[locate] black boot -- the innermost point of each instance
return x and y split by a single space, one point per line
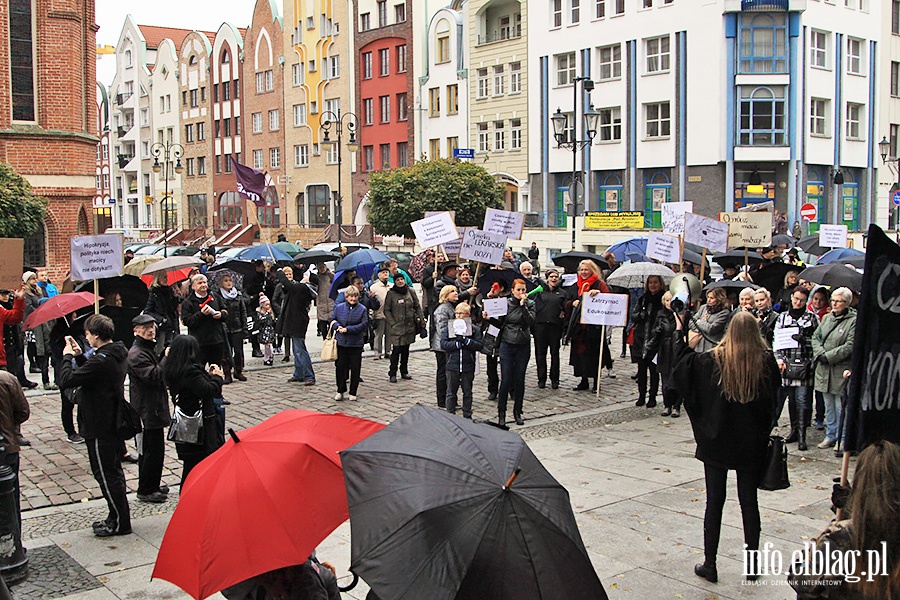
518 416
800 429
707 571
640 401
227 369
792 413
651 403
501 418
585 384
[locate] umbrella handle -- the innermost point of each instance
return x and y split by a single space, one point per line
351 585
512 478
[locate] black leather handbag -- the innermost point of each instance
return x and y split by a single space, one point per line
775 470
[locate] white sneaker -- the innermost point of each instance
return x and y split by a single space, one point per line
339 396
353 398
826 443
610 374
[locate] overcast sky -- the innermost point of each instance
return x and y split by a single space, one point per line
205 15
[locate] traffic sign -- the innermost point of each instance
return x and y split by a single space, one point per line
897 198
809 212
464 153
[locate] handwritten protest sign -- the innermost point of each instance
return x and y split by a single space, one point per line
784 338
96 257
614 220
605 309
452 248
673 216
665 248
482 246
496 307
11 253
504 222
435 230
833 236
708 233
750 229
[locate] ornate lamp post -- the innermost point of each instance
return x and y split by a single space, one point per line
337 123
171 154
884 147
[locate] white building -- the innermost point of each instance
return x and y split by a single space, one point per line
696 100
886 212
162 126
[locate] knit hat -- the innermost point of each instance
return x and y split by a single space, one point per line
263 298
28 275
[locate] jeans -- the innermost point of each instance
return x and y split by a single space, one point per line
399 354
106 465
513 368
716 478
382 338
150 460
547 337
832 415
348 366
440 378
455 380
797 397
303 369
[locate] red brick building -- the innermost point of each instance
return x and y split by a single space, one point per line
48 116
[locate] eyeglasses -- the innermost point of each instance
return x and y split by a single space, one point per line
462 314
837 301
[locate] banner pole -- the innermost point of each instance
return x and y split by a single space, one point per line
600 361
746 259
681 253
96 296
703 267
477 272
845 470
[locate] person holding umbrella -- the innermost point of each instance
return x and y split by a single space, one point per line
232 300
294 322
163 306
350 320
40 334
323 278
403 313
585 339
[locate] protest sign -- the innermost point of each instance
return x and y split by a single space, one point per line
673 216
96 257
11 253
482 246
665 248
452 248
496 307
504 222
604 309
614 220
833 236
784 338
435 230
707 233
747 229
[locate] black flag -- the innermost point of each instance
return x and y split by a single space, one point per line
873 400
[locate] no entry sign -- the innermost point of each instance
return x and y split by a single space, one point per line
809 212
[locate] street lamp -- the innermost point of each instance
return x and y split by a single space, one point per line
561 124
338 122
169 152
884 147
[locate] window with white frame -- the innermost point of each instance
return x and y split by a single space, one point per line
256 120
515 78
401 58
385 151
895 79
385 102
657 54
818 49
499 136
895 17
189 133
367 65
657 120
368 158
382 13
402 107
399 13
818 116
274 120
442 48
368 111
854 121
331 154
610 124
599 9
482 83
855 56
575 7
620 7
515 134
484 139
365 22
299 115
565 68
299 73
201 165
453 99
258 159
301 155
384 62
763 43
270 81
556 8
260 82
610 62
761 116
274 157
334 67
402 154
434 102
333 105
498 80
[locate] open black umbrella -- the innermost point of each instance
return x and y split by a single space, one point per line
505 277
736 257
569 260
810 244
834 275
132 292
730 284
771 276
782 239
444 508
312 257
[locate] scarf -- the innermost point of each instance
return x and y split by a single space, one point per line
796 313
400 289
586 284
229 295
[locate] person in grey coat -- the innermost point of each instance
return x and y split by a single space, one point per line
403 312
708 326
832 346
443 313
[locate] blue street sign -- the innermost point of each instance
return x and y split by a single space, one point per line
897 197
464 153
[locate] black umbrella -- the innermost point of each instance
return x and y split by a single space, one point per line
834 275
316 256
444 508
246 268
735 257
505 277
782 239
731 284
130 289
810 245
569 260
771 276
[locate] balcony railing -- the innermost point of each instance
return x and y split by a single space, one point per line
499 36
123 98
764 5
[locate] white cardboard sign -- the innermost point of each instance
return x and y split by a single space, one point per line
496 307
504 222
435 230
664 248
453 247
784 339
708 233
833 236
673 216
604 309
482 246
748 229
97 256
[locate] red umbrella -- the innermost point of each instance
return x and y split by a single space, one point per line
260 503
59 306
173 277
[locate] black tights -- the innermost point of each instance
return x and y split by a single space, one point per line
716 478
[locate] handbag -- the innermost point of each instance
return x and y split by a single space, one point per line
128 421
775 470
329 346
797 369
186 429
629 338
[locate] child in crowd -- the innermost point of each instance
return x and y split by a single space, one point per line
266 321
462 356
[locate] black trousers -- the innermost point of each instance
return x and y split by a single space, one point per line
513 368
150 460
716 478
647 368
493 374
212 354
456 380
106 465
399 357
11 460
67 413
237 350
348 366
547 337
440 378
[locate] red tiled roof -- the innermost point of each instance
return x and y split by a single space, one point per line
154 35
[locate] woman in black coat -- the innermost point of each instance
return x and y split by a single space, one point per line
193 389
644 318
587 347
162 305
660 345
232 300
730 394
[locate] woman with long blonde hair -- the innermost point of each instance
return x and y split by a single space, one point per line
729 393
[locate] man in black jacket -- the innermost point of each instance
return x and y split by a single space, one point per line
148 395
203 316
101 379
295 316
550 307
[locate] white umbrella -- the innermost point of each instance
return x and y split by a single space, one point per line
172 263
634 275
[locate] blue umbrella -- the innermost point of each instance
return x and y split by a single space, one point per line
362 257
838 255
629 249
268 252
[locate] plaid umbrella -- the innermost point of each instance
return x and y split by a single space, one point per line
418 263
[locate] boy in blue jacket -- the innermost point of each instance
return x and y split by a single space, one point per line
461 360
